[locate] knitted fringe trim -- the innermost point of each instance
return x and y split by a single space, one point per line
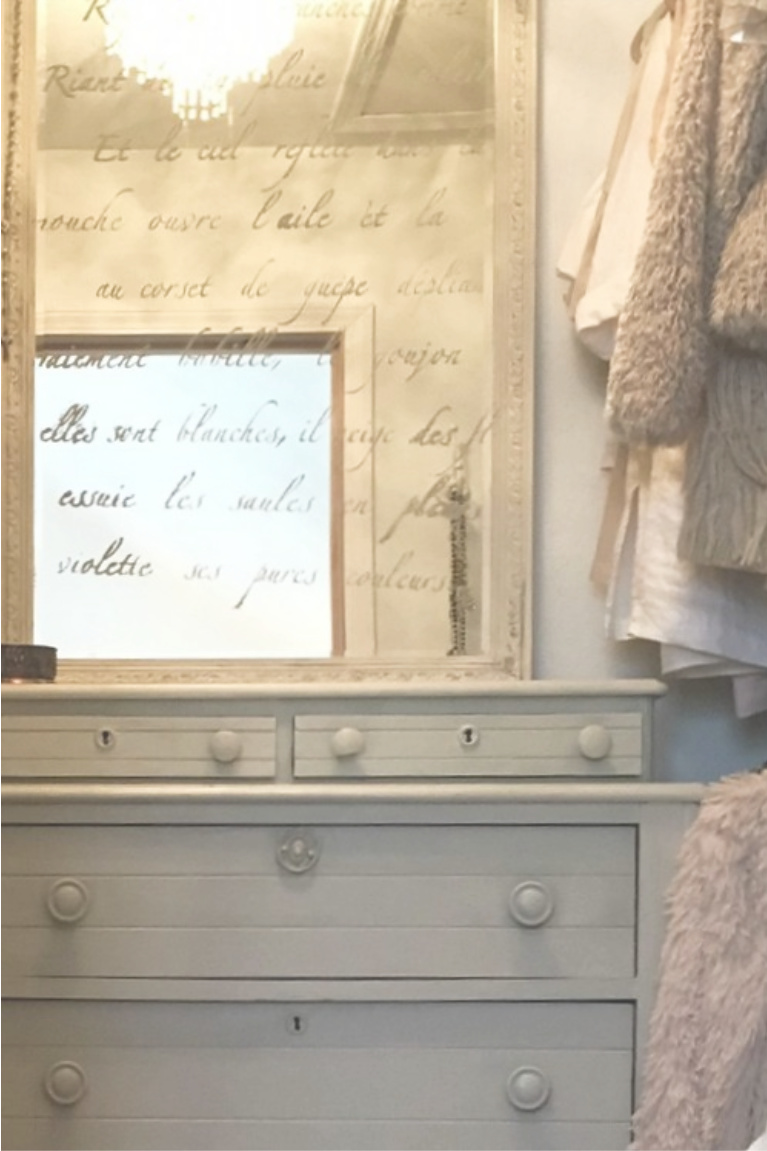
725 520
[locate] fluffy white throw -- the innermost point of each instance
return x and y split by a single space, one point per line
705 1078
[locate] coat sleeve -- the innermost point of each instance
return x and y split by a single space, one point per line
659 370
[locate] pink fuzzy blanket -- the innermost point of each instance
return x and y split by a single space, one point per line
705 1076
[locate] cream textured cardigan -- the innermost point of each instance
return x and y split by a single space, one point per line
672 378
705 1075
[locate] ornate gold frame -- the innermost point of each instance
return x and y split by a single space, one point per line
509 657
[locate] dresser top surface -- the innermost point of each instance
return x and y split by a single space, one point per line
62 692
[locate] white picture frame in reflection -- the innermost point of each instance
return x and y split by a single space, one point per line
402 234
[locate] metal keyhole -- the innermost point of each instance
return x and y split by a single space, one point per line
468 736
296 1024
105 738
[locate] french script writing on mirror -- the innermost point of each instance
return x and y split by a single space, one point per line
374 183
208 492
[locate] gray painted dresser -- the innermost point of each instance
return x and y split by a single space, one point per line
413 917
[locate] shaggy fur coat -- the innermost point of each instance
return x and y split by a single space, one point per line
705 1074
686 367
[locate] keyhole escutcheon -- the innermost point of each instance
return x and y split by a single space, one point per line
296 1024
468 735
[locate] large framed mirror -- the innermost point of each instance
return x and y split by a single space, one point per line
268 338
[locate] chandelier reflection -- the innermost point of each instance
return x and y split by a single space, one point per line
200 48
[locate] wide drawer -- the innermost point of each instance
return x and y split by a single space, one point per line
344 1075
601 744
320 902
132 746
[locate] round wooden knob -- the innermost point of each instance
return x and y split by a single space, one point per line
347 741
225 746
528 1089
65 1083
68 900
594 741
531 904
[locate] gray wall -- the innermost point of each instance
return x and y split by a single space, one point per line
584 66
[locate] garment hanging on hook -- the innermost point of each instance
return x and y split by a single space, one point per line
672 381
708 622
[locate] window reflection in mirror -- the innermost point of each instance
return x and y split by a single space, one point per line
349 189
192 485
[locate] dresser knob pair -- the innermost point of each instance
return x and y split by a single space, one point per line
594 740
527 1088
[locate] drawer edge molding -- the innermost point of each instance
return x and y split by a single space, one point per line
17 792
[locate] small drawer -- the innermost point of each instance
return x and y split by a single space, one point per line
314 1075
602 745
138 747
323 902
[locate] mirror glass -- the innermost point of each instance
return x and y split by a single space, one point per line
281 342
